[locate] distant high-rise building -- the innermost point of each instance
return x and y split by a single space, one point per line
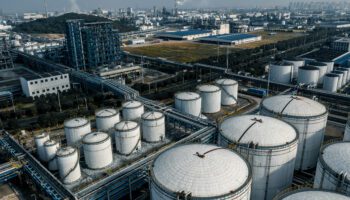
129 11
91 45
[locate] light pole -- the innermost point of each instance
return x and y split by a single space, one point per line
59 101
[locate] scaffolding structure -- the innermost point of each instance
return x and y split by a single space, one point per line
6 60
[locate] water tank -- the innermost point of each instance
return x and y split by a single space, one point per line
347 132
281 72
127 137
189 103
347 68
153 126
132 110
51 147
341 76
75 129
200 171
312 194
106 119
297 63
333 168
308 75
211 98
345 75
269 145
97 150
308 117
39 144
330 83
229 91
322 70
68 164
330 64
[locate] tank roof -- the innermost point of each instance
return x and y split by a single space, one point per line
309 67
314 195
106 112
42 135
65 151
337 72
76 122
187 95
132 104
201 169
296 106
152 115
50 143
342 69
318 64
282 64
293 59
226 82
95 137
332 75
126 125
261 130
208 88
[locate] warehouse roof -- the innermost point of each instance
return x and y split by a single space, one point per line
230 37
185 33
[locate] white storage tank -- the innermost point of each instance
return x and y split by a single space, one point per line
189 103
211 98
229 91
132 110
330 64
312 194
127 137
68 164
308 75
347 132
39 144
322 70
106 119
281 72
330 83
153 126
308 117
297 63
333 168
51 147
345 75
347 68
269 145
200 171
97 150
341 76
75 129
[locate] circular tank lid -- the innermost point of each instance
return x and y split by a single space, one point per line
342 69
296 106
208 88
126 126
50 143
314 195
261 130
309 67
201 169
226 82
337 72
336 157
66 151
293 59
187 96
41 136
106 112
332 75
317 64
132 104
152 115
281 64
76 122
95 137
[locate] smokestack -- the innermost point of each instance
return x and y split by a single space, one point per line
73 6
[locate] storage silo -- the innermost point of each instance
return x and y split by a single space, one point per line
297 63
200 171
281 72
322 70
39 141
340 78
330 64
189 103
153 126
347 132
132 110
211 98
127 137
229 91
333 168
330 83
75 129
51 147
106 119
311 194
97 150
269 145
68 164
345 75
308 75
307 116
347 68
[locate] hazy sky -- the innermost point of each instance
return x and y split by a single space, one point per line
11 6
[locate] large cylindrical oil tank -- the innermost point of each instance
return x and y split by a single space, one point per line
311 194
270 146
347 68
153 126
229 91
211 98
127 137
97 150
189 103
132 110
347 132
345 75
39 144
308 117
340 78
308 75
330 83
297 63
68 164
51 147
281 72
106 119
322 70
75 129
200 171
333 168
330 64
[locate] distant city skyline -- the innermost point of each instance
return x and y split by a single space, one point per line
20 6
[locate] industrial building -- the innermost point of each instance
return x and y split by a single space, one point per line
230 39
342 44
184 35
5 56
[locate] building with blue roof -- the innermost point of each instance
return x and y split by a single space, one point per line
184 35
231 39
